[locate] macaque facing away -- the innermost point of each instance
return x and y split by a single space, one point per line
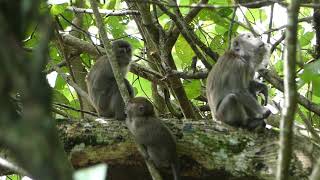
230 85
102 86
158 143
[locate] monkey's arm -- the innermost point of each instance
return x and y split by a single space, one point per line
255 86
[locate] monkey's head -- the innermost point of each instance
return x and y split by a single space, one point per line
250 48
246 43
123 51
139 107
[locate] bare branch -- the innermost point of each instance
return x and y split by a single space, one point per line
105 11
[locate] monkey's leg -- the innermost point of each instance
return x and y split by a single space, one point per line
231 111
253 108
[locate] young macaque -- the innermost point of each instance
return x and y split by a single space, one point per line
158 143
102 86
231 89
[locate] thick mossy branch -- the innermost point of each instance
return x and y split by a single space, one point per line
204 147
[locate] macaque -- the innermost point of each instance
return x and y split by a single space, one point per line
158 143
102 86
231 89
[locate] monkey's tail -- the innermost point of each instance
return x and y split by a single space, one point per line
176 170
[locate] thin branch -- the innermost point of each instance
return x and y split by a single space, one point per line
6 164
188 74
270 22
305 19
231 26
75 109
274 46
290 93
105 11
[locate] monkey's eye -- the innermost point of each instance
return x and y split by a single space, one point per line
236 43
249 36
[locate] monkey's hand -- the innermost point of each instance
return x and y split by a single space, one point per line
255 86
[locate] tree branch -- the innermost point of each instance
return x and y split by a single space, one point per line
290 93
104 11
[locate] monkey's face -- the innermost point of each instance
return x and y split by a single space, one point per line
248 43
123 51
139 107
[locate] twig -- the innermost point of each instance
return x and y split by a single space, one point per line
270 22
305 19
74 109
231 26
189 74
6 164
274 46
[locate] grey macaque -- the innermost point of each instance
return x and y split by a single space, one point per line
158 143
231 89
102 86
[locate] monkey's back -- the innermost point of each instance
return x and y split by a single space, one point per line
228 75
153 134
103 89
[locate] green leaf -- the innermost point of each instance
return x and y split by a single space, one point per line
225 12
279 67
59 97
220 29
306 38
218 44
111 4
193 88
58 8
60 83
116 26
183 50
316 86
97 172
311 72
254 15
141 86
